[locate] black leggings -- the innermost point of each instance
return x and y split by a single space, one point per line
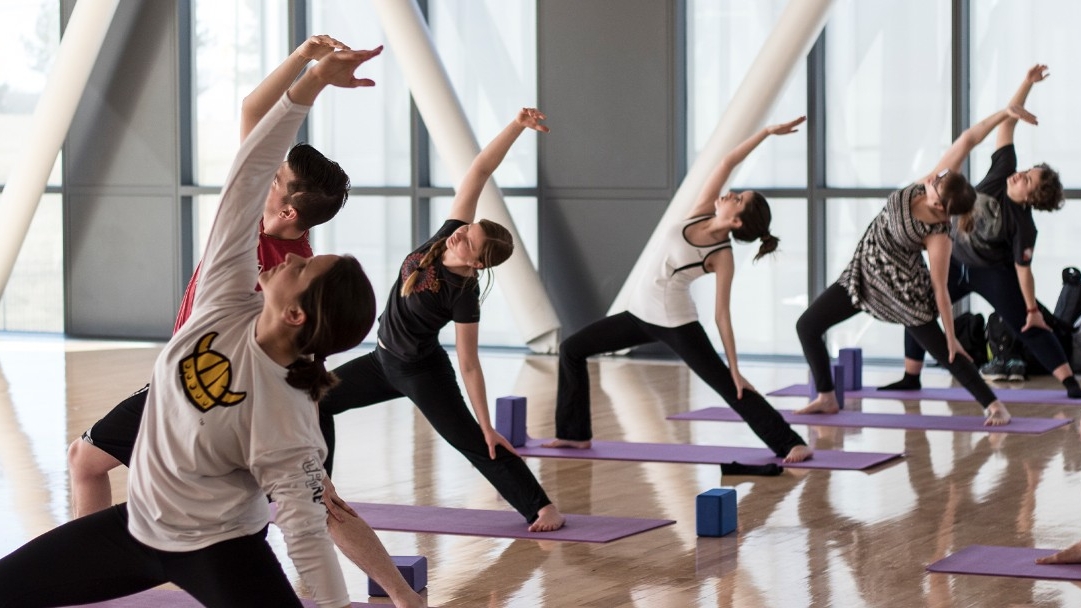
834 306
430 383
95 558
999 286
690 342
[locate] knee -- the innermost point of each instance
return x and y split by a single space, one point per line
805 327
86 461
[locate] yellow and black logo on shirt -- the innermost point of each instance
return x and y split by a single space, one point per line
205 375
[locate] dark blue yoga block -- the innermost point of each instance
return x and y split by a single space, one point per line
838 385
851 359
414 569
715 512
510 419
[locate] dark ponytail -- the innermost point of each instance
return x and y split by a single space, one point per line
754 224
340 311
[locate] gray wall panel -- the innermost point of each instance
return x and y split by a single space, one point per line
121 178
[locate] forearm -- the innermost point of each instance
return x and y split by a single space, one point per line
1027 281
269 91
304 91
728 341
493 154
473 377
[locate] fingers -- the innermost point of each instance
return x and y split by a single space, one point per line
531 117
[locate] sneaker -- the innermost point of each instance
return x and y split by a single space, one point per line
1015 370
994 369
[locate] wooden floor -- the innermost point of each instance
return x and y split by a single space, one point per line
815 538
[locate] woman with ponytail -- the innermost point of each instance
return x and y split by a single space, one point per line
889 279
661 310
439 282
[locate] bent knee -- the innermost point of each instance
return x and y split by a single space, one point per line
86 460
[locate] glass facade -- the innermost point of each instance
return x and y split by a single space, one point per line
885 76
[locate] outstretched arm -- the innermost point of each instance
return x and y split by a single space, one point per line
712 188
271 89
464 207
1005 132
972 136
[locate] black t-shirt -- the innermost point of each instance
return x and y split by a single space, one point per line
1004 232
409 326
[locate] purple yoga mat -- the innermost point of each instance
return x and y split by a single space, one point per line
705 454
1031 426
1005 561
1033 396
170 598
499 524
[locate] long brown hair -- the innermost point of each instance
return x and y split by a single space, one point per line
498 247
339 309
958 198
754 224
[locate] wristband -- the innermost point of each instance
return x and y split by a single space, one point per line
1033 309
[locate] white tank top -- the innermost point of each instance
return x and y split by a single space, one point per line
663 295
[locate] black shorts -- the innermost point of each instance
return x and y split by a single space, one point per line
115 433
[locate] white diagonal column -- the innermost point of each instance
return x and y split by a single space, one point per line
795 33
55 110
407 33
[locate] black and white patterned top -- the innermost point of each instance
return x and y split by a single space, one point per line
887 276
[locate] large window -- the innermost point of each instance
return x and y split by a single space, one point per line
33 299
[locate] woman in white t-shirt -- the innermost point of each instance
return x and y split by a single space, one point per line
230 416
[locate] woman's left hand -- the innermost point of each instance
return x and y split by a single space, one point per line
956 348
785 128
530 118
493 438
741 383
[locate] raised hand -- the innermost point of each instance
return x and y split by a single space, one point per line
530 118
1020 113
319 46
1037 73
785 128
337 68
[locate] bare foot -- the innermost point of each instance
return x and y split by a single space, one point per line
568 443
548 518
799 454
996 415
826 403
1069 555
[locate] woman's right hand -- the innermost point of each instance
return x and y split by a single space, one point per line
955 348
785 128
1020 113
1036 73
530 118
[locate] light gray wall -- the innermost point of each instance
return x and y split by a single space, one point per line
612 84
124 236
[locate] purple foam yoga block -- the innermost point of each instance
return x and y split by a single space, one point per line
852 360
510 419
414 569
838 385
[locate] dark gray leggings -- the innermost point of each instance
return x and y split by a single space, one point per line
95 558
834 306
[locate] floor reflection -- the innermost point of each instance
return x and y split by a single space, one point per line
806 538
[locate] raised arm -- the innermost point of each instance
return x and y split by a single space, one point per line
703 205
464 206
271 89
972 136
1005 131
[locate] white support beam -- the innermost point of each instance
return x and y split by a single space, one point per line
407 33
792 38
79 48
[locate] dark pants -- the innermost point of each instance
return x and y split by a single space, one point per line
95 558
999 286
430 384
834 306
690 342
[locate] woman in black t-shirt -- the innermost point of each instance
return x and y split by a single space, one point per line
437 284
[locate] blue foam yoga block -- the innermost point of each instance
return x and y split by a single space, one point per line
414 569
510 419
715 512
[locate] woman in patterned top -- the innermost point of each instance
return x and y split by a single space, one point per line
889 279
437 284
661 310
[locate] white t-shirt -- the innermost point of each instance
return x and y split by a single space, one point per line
663 296
222 428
